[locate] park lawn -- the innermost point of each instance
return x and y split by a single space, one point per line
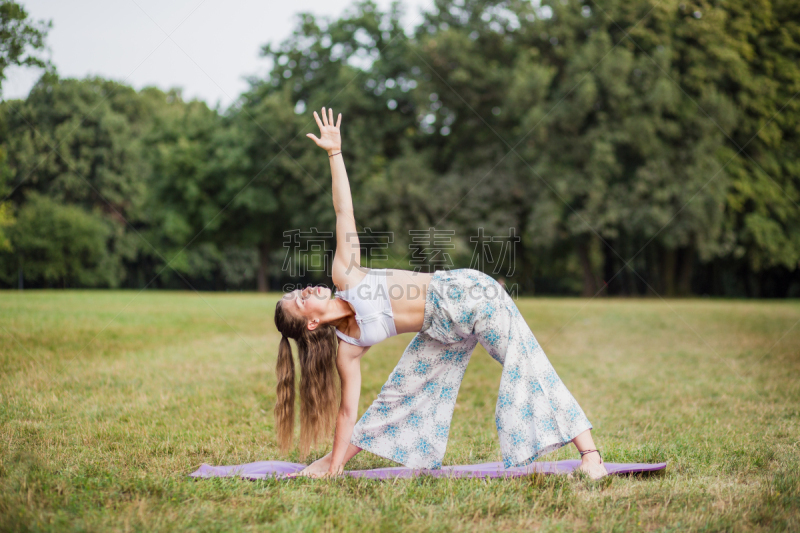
109 399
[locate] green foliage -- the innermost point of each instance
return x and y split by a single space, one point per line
6 220
21 38
633 147
764 199
6 213
60 244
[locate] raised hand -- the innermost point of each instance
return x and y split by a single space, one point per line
329 137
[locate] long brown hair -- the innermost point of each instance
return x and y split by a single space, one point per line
318 392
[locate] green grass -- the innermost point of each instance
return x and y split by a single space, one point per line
109 399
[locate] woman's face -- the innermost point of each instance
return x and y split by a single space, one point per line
309 303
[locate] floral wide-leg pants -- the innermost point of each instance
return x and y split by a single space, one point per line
409 422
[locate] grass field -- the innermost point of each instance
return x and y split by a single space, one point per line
109 399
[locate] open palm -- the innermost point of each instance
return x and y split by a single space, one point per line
329 137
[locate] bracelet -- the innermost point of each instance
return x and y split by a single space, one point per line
337 153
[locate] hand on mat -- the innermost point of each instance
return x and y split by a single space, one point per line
318 468
336 472
329 138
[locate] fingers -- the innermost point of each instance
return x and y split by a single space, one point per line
327 119
314 475
313 138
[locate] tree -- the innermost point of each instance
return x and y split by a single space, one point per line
20 38
178 148
359 65
59 244
602 133
763 204
79 143
6 208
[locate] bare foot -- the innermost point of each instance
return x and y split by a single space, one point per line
592 465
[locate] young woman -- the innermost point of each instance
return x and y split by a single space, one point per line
452 311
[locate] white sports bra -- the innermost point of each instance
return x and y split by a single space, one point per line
370 299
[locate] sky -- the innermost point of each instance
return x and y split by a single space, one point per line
205 47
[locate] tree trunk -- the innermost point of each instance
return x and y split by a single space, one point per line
263 267
523 263
589 283
669 272
633 279
653 270
687 269
610 274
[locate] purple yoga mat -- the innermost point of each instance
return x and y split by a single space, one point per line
264 469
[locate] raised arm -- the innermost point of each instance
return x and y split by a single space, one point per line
348 248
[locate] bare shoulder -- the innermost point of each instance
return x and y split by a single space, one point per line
345 278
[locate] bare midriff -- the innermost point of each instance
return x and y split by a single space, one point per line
408 291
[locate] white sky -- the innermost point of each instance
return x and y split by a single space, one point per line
216 42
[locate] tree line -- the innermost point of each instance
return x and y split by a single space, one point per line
632 148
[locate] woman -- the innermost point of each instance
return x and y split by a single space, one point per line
452 311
